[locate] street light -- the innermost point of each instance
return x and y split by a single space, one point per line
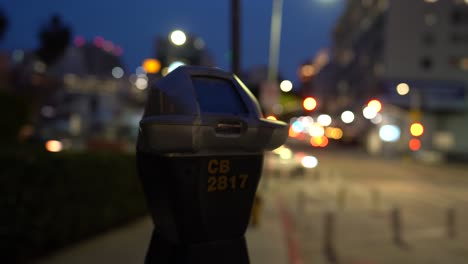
275 38
178 37
286 86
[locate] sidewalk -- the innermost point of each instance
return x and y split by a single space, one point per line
128 244
362 227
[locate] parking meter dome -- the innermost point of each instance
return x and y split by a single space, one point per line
197 109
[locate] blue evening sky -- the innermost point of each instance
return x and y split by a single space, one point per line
307 26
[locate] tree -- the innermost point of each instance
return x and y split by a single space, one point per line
54 39
3 24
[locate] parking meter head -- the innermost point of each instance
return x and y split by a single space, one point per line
202 110
199 155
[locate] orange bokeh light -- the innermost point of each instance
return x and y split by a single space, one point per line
53 146
307 71
375 104
309 103
292 133
271 118
319 141
414 144
152 65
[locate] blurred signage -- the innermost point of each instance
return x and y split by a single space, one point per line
89 85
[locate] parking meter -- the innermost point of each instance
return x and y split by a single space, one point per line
199 156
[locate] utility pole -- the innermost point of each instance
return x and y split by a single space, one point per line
235 37
275 39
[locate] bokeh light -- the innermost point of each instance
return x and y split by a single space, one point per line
108 46
414 144
297 126
309 162
79 41
377 119
416 129
307 71
141 83
117 72
403 88
118 51
389 133
140 71
319 141
375 104
324 120
284 153
98 41
53 146
286 86
334 133
369 112
309 104
151 65
292 133
316 130
347 117
178 37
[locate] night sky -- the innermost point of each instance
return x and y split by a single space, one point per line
307 26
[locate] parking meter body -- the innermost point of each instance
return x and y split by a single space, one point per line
199 157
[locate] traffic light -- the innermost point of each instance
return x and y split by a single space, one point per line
414 144
416 129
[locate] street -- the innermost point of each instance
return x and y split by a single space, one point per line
356 209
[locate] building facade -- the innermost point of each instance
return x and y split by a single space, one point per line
423 44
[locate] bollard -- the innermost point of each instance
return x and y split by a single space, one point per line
451 223
329 249
341 197
376 199
300 202
397 228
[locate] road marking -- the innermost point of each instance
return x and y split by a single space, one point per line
294 253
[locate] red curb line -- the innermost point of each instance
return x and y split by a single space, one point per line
292 243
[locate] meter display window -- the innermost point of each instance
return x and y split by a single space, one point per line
218 96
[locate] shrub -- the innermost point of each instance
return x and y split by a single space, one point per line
50 200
